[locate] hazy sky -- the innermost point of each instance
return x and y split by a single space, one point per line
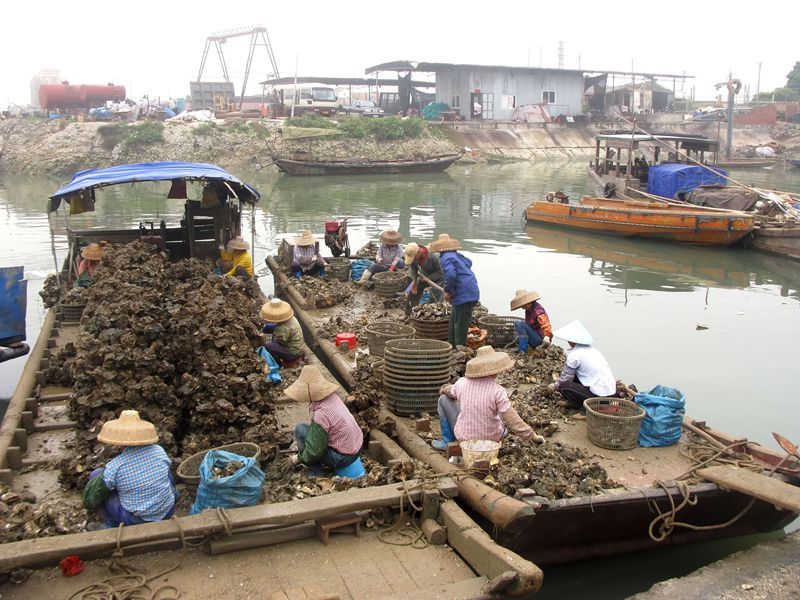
155 48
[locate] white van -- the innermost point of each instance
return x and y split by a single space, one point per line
304 97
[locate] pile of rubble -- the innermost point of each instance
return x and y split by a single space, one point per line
25 517
322 292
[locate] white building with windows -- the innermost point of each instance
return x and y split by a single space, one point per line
482 92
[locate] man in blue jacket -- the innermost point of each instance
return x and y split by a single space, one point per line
460 287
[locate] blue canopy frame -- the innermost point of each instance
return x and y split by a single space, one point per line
156 171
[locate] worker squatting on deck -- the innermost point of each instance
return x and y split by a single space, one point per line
388 258
332 439
286 346
136 486
476 407
535 330
91 256
235 259
460 287
306 259
586 373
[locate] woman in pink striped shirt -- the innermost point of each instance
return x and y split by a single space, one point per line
478 405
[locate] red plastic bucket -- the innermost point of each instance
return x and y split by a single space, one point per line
346 338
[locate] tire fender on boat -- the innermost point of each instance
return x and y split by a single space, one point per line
609 190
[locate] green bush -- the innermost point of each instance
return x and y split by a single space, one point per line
144 134
311 120
240 127
413 127
354 127
204 129
387 128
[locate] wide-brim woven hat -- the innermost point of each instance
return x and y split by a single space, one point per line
410 252
306 238
128 430
276 311
488 362
92 252
390 237
444 242
238 243
576 333
311 386
524 297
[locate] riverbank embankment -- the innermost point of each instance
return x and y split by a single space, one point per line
60 147
769 570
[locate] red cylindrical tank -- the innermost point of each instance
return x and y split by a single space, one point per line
59 95
93 94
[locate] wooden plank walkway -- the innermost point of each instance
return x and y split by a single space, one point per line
768 489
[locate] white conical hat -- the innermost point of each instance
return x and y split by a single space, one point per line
576 333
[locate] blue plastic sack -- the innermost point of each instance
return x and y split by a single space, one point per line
357 268
243 488
13 304
274 375
664 409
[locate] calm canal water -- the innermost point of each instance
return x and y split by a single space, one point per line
642 301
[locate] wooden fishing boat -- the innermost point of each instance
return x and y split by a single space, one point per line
300 166
649 220
621 520
38 432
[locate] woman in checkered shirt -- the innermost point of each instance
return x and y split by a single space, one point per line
478 405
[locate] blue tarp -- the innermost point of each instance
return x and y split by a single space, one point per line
13 304
157 171
669 179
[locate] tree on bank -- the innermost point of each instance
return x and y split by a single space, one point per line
791 92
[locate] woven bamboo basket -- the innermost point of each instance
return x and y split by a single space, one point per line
413 372
380 332
189 469
431 329
389 283
71 313
613 423
500 330
339 268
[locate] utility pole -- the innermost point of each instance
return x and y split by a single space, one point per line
758 81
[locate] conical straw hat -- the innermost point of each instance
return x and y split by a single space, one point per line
238 243
523 297
390 237
488 362
410 253
128 430
306 238
92 252
311 386
576 333
276 311
444 242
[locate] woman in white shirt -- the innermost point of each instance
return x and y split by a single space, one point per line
586 373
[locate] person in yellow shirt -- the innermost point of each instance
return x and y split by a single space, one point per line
236 260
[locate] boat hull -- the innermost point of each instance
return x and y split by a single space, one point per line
301 167
645 220
780 241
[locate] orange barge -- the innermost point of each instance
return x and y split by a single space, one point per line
651 220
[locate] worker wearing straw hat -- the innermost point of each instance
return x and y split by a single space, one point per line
425 270
236 259
535 330
332 438
460 286
389 256
91 256
136 486
306 259
286 345
476 407
586 373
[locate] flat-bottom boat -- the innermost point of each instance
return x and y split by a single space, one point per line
651 220
292 166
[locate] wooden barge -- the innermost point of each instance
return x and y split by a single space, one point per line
303 166
619 521
36 433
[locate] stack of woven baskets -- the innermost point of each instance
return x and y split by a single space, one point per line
339 267
380 332
413 372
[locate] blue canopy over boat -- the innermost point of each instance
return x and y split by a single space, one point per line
669 179
157 171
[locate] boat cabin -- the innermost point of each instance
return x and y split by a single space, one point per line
623 159
211 218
